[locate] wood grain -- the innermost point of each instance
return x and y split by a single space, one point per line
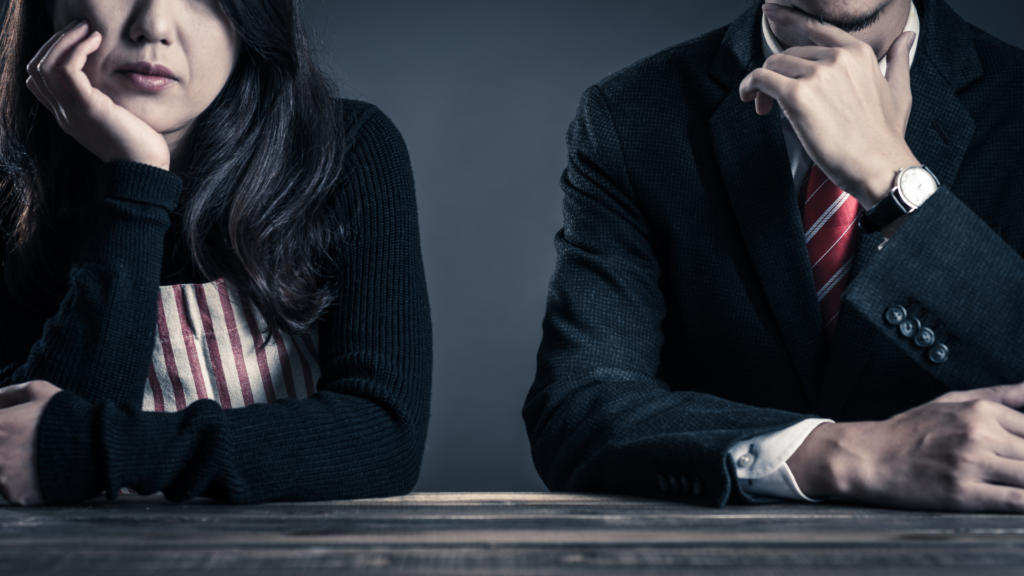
501 533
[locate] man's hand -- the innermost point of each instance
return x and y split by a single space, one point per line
21 406
849 118
962 451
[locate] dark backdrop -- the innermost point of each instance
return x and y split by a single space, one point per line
483 92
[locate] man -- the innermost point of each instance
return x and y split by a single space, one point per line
817 211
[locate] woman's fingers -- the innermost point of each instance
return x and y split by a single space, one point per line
59 69
15 394
34 86
56 57
76 63
35 64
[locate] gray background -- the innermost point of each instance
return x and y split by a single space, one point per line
483 92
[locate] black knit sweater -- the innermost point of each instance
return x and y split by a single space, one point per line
361 435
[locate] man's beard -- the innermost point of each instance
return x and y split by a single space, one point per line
855 24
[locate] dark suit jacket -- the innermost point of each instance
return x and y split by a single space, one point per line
682 315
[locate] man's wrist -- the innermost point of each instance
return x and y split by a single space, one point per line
821 464
879 180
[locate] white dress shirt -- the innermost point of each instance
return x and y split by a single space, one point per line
761 461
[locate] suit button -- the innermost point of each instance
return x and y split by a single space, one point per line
909 327
925 338
745 461
938 354
684 485
673 485
662 483
895 314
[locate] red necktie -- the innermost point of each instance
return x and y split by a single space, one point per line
830 218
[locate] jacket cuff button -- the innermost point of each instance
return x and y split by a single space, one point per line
895 314
909 327
938 354
925 338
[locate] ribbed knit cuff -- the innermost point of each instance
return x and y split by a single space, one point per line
139 183
67 453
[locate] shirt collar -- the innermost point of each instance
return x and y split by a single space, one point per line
771 44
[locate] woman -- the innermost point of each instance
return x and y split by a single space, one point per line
212 282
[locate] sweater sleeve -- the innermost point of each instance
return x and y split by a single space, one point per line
362 434
110 302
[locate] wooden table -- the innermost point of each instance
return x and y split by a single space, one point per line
496 533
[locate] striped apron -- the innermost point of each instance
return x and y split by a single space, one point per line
207 348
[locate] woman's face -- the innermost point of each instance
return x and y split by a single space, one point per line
192 39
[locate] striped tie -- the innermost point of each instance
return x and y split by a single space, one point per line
830 217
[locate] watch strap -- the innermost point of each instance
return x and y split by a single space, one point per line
881 215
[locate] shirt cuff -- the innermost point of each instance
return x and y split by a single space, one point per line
760 462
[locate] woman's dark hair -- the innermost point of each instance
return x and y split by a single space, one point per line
265 159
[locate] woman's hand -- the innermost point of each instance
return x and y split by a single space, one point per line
21 406
57 78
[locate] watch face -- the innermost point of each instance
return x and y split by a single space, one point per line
917 185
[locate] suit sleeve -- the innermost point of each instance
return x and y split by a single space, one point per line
954 275
110 301
598 416
361 435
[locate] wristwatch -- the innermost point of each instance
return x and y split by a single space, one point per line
912 186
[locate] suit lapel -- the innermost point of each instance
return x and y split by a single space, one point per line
940 128
752 161
939 132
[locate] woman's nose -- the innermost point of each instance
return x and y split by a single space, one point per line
151 21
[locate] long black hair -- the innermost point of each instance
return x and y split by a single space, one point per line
266 157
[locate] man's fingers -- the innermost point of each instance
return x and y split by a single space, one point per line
775 85
1005 471
789 65
993 498
815 53
897 67
763 104
1012 420
1011 395
789 22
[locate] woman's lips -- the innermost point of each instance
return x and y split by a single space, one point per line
146 82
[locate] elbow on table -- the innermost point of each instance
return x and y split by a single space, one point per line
559 445
390 467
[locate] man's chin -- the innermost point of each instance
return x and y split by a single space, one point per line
838 14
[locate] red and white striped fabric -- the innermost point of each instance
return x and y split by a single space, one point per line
830 216
207 347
